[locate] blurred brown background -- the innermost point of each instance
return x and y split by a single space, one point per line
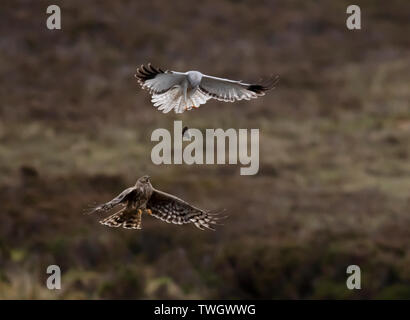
334 179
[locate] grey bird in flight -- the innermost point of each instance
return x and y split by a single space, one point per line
143 197
181 91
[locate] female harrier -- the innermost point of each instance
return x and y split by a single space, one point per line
186 90
161 205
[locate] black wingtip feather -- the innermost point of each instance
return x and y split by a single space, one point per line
148 72
264 86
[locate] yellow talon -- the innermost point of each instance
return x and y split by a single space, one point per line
149 211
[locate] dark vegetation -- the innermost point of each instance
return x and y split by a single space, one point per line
334 180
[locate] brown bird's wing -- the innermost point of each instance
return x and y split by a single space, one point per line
122 198
171 209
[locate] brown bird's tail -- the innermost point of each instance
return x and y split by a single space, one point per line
115 220
124 218
133 221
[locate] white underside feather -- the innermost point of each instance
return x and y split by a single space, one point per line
173 99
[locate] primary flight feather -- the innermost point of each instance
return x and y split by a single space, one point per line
180 91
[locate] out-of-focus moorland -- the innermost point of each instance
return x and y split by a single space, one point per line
334 180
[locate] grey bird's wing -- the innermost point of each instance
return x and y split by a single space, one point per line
231 90
156 80
171 209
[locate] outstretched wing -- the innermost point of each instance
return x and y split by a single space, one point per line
122 198
231 90
171 209
156 80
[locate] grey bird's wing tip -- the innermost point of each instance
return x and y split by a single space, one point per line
264 85
147 72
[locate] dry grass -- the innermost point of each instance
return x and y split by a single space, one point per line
334 163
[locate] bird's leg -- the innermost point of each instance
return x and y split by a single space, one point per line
148 211
139 219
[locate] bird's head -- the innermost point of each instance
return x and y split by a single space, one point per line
143 180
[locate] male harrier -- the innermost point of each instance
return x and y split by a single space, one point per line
161 205
186 90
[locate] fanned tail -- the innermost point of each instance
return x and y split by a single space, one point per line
169 100
133 222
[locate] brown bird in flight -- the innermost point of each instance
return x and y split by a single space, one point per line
143 197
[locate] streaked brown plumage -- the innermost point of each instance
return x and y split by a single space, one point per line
144 197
